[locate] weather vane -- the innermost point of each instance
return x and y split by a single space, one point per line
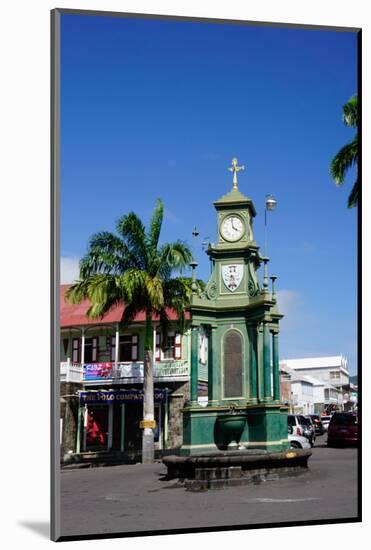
234 168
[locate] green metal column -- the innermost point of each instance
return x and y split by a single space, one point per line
210 343
253 363
194 364
276 368
213 371
267 362
216 367
260 369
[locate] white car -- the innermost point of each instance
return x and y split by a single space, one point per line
298 442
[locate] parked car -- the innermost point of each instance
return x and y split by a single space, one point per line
301 426
318 426
325 421
343 429
298 441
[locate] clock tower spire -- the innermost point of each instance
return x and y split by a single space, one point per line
235 169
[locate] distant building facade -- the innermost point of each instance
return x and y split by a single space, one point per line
317 384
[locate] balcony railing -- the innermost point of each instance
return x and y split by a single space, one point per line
71 372
121 372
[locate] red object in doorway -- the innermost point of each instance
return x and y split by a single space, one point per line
97 428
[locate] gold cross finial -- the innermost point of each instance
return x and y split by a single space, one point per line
234 168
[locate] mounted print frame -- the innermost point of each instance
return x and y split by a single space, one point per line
199 219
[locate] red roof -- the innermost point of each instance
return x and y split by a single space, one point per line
75 315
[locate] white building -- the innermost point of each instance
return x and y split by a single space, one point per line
316 382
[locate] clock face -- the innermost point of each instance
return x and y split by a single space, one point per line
232 228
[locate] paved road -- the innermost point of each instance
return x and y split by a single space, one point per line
135 498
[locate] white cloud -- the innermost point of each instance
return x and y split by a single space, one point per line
69 269
288 300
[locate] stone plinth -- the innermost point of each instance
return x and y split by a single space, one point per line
225 469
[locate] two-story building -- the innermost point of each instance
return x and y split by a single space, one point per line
102 381
329 376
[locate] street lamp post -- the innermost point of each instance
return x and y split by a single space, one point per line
270 205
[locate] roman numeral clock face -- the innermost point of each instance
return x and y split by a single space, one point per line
232 228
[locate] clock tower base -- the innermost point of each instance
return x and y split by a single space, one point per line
222 428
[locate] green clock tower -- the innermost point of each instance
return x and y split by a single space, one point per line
234 331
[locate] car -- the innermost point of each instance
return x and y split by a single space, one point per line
298 441
325 419
343 429
318 426
301 426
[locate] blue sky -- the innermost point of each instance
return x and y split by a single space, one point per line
156 108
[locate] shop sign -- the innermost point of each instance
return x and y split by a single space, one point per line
147 424
96 371
117 396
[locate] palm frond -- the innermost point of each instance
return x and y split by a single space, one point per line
77 292
177 296
155 292
350 112
132 283
132 230
129 314
106 254
353 197
345 159
103 293
172 257
155 227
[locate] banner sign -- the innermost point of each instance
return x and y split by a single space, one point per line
96 371
117 396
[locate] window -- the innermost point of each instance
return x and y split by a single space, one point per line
169 348
91 350
345 419
335 374
128 347
172 348
76 350
307 389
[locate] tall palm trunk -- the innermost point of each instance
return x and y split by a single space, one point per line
148 396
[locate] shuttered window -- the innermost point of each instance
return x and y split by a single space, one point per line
178 346
172 349
158 347
134 347
113 348
75 350
91 350
128 347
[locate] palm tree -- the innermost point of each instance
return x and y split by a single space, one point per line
348 155
132 269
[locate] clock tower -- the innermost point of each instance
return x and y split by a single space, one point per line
237 320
